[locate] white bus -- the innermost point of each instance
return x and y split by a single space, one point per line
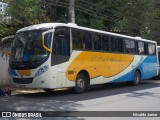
58 55
158 49
5 50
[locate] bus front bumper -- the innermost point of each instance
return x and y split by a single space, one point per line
42 81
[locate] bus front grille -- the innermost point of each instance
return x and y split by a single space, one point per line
23 80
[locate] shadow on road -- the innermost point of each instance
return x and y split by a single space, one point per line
95 92
64 100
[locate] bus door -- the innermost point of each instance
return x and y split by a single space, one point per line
61 53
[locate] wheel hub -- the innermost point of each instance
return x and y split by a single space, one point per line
80 83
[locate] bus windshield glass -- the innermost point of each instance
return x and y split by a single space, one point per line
28 46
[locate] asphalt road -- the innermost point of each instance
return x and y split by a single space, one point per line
110 97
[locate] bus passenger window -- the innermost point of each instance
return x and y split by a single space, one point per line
97 42
129 46
120 45
141 48
114 46
87 41
77 39
105 43
151 49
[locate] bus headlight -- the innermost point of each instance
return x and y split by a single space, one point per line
42 70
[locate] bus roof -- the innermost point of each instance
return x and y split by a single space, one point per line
6 38
53 25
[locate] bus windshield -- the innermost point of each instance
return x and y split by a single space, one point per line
28 47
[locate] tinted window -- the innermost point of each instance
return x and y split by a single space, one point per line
47 39
129 46
116 44
141 48
120 45
61 42
97 42
77 39
151 49
105 43
87 41
159 54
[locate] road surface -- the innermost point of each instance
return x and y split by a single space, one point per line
111 97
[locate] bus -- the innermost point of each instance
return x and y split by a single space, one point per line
5 49
59 55
158 49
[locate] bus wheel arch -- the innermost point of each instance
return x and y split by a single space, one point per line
137 77
82 82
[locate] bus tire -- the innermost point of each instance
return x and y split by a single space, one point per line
48 90
80 84
137 78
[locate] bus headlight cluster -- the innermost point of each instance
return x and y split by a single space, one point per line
42 70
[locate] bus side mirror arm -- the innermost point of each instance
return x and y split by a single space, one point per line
44 46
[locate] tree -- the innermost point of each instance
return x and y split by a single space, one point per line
132 14
153 21
25 12
131 17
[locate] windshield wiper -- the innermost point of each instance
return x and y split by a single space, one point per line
18 54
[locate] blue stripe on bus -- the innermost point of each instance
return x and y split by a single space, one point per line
148 70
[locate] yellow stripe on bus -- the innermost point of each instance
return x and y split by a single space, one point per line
98 64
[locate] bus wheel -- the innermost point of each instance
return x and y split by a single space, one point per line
137 78
48 90
80 84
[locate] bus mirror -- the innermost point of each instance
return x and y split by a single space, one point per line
46 40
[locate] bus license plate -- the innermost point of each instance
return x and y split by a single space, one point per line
22 86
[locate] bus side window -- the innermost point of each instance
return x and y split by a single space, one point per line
105 43
159 54
120 45
116 44
129 46
77 39
113 44
141 49
87 41
97 42
151 49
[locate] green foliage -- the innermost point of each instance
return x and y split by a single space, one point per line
131 17
132 14
152 21
25 12
3 29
